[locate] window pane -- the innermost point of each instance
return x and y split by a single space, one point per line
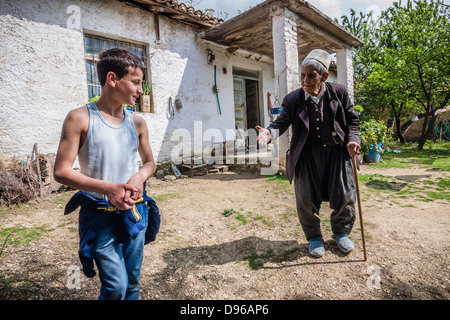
91 91
89 67
87 41
97 44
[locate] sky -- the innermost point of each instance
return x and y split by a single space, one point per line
332 8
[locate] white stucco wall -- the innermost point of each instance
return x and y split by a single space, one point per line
40 78
42 72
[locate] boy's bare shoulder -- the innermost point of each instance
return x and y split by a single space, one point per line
78 116
139 122
79 112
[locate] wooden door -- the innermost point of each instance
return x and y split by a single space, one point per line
240 111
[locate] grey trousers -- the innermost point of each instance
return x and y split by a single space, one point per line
325 174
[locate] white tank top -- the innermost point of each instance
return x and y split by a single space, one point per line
110 152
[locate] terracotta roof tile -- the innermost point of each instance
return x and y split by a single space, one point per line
190 11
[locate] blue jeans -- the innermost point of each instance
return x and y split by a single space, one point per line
119 266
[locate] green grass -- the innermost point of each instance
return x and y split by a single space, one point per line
381 182
18 236
443 183
420 189
438 195
282 183
433 155
243 219
164 197
279 178
256 262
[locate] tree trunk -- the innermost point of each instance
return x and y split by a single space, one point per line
398 130
427 129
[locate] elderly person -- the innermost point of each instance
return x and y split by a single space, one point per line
325 135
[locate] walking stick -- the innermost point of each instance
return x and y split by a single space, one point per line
359 207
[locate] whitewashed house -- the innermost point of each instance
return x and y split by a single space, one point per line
48 50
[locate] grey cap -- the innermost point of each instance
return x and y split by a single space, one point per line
320 55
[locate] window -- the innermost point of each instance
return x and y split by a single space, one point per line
93 46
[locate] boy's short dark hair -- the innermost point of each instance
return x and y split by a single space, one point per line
117 60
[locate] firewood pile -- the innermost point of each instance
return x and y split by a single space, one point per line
24 180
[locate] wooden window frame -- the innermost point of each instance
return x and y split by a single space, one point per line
95 43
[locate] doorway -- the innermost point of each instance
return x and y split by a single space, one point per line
246 105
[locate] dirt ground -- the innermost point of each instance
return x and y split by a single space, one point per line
257 252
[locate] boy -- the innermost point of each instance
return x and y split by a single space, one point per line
107 139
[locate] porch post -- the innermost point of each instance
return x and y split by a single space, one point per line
344 61
286 64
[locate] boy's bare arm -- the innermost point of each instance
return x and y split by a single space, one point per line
145 151
73 132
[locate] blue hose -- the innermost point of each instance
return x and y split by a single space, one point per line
440 133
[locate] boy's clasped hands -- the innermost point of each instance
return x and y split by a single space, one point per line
124 196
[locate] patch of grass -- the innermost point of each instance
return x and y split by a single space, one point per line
281 183
279 178
443 183
380 182
164 197
438 195
255 261
18 236
286 255
423 190
433 155
241 218
228 212
423 198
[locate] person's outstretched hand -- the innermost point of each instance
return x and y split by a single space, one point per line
264 135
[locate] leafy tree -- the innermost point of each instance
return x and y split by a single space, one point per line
403 68
417 38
